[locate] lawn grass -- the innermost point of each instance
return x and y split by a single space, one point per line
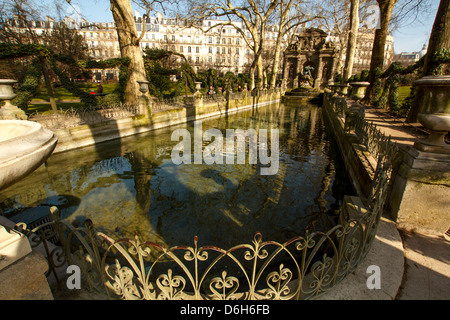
403 93
43 108
61 95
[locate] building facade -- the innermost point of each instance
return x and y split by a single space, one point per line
212 44
409 58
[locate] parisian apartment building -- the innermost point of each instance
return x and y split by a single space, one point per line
209 45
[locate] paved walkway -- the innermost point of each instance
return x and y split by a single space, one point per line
413 265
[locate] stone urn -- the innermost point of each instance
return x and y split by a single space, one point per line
435 112
143 86
359 89
343 89
9 111
198 85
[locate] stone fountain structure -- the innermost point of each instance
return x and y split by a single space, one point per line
24 146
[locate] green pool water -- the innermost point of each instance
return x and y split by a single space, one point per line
132 185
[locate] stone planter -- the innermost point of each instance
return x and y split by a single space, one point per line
9 111
359 89
435 112
343 89
143 86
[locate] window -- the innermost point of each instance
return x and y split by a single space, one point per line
223 50
173 38
224 41
197 59
237 50
229 50
210 50
181 48
209 59
189 49
197 49
218 50
237 41
210 40
165 37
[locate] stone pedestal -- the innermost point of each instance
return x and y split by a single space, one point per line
420 193
420 196
22 271
145 102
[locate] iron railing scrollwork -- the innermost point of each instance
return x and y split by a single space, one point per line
301 268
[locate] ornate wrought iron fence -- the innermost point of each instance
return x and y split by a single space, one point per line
82 116
375 141
301 268
162 104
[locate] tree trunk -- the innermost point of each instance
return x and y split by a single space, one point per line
352 37
379 43
48 84
129 47
260 68
276 62
439 39
252 78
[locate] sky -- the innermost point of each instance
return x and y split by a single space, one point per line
409 38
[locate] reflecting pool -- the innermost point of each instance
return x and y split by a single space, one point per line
133 185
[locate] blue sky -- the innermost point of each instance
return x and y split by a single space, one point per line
411 37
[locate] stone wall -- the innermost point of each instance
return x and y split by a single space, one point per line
419 193
360 165
200 108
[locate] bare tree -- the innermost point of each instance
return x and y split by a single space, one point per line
335 16
379 42
290 15
16 17
254 16
352 39
129 47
